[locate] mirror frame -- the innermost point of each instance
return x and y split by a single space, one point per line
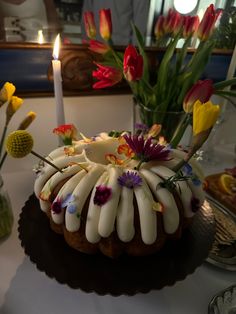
28 67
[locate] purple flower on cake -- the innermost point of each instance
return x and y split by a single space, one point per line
145 149
130 179
102 195
195 204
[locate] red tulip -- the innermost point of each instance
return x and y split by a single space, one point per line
208 21
105 23
107 76
201 90
98 47
173 22
133 64
191 24
89 24
158 29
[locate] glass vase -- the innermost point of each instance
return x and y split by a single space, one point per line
6 214
171 121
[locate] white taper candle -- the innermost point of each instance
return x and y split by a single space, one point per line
56 65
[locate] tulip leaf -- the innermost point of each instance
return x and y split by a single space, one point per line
164 66
224 84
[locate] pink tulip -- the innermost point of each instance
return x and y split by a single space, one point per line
201 90
133 64
158 29
89 24
107 76
190 25
98 47
105 23
208 21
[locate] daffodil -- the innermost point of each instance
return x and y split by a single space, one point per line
204 116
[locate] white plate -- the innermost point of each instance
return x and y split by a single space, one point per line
224 302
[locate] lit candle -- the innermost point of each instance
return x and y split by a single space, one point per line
56 65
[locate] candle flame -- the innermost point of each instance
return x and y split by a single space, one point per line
56 47
40 37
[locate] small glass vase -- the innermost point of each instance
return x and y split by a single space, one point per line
6 214
171 121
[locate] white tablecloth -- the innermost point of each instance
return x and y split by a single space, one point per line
26 290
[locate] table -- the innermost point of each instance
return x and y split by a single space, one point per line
26 290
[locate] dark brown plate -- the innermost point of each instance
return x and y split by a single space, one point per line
124 275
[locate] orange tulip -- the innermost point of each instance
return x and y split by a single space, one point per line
105 24
208 21
89 24
158 29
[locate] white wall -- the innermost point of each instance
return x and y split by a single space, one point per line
90 115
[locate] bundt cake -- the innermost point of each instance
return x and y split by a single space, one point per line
118 194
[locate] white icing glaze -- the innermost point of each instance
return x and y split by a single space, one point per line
170 213
119 209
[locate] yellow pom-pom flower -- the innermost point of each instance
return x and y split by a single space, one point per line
19 144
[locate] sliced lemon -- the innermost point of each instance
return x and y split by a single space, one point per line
227 182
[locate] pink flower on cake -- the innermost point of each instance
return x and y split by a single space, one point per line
102 195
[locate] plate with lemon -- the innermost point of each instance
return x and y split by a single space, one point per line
221 193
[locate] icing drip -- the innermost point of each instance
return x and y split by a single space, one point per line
147 215
182 189
48 170
125 215
109 210
91 229
67 189
80 194
170 212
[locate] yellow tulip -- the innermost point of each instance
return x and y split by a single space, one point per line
204 116
6 92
